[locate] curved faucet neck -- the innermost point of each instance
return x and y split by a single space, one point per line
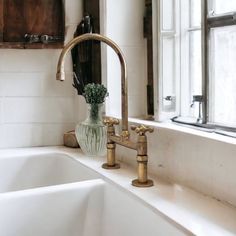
90 36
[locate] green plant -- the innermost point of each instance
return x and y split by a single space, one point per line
95 93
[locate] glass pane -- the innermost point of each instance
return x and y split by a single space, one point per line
167 14
223 6
195 6
195 70
195 62
168 71
223 75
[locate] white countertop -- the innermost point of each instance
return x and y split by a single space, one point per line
190 210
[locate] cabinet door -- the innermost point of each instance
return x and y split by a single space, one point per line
1 20
13 21
33 17
43 17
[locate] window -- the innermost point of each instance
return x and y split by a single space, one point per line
168 69
222 59
196 62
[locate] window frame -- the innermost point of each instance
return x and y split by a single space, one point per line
158 35
207 22
186 76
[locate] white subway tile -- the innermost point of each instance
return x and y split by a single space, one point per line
74 11
2 142
113 104
21 135
53 133
1 111
80 109
125 21
137 79
53 87
25 60
1 87
28 135
35 109
137 106
35 84
38 110
21 84
69 34
68 61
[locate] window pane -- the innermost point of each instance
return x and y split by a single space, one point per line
195 69
223 75
223 6
167 14
195 62
195 12
168 72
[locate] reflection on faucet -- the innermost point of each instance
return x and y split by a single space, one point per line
113 139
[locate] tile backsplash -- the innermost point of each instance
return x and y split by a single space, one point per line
35 109
126 30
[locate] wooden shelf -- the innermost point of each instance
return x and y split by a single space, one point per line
18 18
20 45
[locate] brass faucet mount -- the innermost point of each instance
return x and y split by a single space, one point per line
112 138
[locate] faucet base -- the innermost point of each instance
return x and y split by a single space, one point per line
108 167
136 183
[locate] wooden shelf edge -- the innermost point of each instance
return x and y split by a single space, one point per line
21 45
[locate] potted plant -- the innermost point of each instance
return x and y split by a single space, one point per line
91 133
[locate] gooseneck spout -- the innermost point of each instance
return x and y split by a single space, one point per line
91 36
112 138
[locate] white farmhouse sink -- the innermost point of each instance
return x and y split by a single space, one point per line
24 172
89 208
56 191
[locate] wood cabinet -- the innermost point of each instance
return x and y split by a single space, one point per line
32 23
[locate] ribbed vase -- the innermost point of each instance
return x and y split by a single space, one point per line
92 133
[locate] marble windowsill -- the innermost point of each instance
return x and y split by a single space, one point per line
185 129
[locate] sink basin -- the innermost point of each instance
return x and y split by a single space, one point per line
66 193
32 171
87 208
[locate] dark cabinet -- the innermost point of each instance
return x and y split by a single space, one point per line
32 23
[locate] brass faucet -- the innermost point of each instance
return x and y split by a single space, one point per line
112 138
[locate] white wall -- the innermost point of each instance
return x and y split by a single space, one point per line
189 157
124 24
204 162
35 109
